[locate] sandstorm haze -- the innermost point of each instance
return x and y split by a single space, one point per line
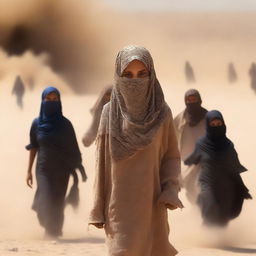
58 35
72 44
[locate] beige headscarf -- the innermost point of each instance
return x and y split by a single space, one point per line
96 110
103 99
136 109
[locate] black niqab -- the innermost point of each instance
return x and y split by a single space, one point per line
215 139
194 111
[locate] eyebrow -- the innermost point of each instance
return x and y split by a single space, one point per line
216 118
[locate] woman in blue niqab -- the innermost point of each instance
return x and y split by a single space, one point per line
51 111
53 139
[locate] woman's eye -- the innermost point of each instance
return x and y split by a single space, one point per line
143 74
127 75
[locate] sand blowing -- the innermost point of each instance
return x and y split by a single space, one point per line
134 201
19 226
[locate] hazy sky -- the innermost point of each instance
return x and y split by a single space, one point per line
184 4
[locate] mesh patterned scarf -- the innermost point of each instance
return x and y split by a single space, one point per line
137 107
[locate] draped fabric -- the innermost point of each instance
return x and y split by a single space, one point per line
50 115
194 112
215 139
58 156
91 134
190 126
137 164
222 190
137 106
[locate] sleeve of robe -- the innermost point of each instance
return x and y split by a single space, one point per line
234 160
91 133
194 158
170 171
33 136
97 212
179 124
74 154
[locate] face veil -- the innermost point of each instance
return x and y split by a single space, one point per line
50 113
215 139
194 111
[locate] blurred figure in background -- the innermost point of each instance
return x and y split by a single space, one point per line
53 140
92 131
222 191
31 82
232 74
189 126
252 74
19 91
189 73
138 162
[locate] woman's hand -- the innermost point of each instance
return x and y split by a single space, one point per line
170 199
171 207
29 179
32 155
98 225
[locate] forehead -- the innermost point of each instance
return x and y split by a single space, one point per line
52 94
129 54
136 64
215 119
191 97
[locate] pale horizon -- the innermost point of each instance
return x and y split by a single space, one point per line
184 5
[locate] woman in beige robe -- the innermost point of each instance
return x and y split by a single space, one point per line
189 126
138 162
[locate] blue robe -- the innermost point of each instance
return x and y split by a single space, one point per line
58 157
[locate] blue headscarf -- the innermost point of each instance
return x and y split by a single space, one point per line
50 113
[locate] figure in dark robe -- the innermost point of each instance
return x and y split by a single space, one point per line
232 74
53 139
189 73
252 74
19 91
222 191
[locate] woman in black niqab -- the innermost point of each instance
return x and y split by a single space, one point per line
222 190
194 112
53 140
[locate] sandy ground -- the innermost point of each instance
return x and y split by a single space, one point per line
20 233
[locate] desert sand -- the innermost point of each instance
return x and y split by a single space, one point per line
20 232
208 40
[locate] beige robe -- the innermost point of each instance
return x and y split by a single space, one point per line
187 137
130 195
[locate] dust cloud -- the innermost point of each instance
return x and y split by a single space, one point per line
64 31
73 45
